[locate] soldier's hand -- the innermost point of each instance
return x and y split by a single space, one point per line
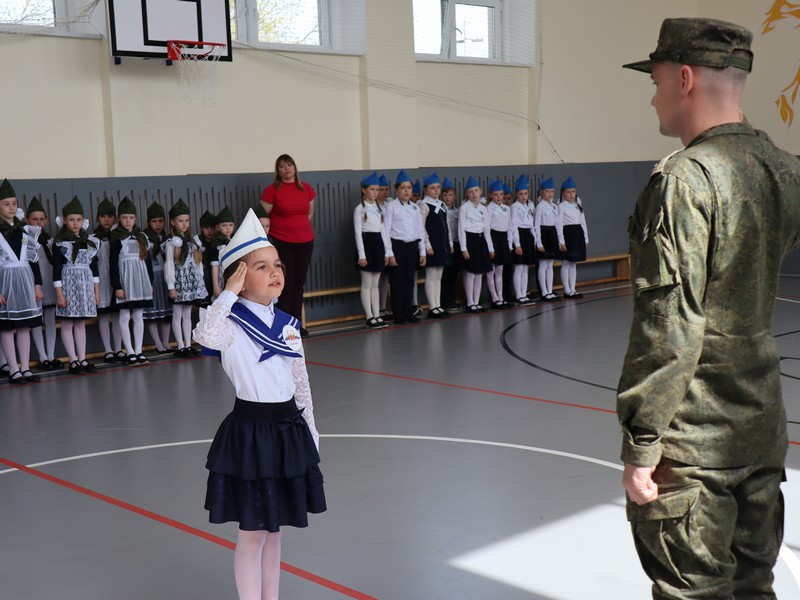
638 483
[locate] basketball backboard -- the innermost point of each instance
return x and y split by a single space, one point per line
143 27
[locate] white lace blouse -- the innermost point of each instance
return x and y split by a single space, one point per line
276 379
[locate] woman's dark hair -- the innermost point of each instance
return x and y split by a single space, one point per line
285 158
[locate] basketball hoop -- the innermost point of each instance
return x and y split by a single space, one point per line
196 63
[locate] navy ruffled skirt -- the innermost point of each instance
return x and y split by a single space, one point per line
264 468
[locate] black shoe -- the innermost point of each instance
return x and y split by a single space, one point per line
165 351
372 323
414 319
88 367
75 368
142 359
5 370
57 364
416 310
121 356
386 316
193 352
381 323
109 357
12 378
131 360
30 377
436 313
303 332
400 321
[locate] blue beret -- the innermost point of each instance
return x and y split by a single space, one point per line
382 181
471 183
416 188
402 177
521 183
506 188
431 179
447 184
496 186
547 184
568 184
369 180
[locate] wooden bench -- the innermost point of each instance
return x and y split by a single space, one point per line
622 272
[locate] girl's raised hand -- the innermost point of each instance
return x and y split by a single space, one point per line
235 282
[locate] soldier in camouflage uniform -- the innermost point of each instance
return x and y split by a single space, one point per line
699 399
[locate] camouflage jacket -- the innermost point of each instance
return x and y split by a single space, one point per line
701 382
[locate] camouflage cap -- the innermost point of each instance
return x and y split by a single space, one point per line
106 208
126 207
35 205
702 42
224 216
73 207
207 219
178 209
155 211
6 190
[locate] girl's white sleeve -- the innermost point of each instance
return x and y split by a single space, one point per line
357 216
423 214
537 227
302 395
514 227
387 226
560 225
462 231
487 230
169 265
215 330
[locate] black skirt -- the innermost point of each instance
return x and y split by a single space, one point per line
502 253
374 251
575 243
264 468
549 241
478 261
528 246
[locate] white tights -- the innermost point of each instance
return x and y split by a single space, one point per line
257 565
433 286
46 352
73 336
125 315
182 324
546 276
569 273
495 282
472 287
23 339
159 331
520 278
107 325
370 293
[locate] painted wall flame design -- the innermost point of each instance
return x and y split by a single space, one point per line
780 10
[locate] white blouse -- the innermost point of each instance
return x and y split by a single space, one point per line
546 216
570 214
521 218
473 219
276 379
403 222
372 224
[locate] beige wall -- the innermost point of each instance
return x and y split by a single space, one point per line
69 112
594 111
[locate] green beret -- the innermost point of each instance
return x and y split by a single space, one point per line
207 219
155 211
224 216
34 206
6 191
106 208
73 207
178 209
702 42
126 207
260 212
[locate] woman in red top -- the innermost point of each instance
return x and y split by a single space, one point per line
290 206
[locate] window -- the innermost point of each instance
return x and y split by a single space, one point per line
328 25
37 13
474 30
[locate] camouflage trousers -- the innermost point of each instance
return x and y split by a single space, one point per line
712 533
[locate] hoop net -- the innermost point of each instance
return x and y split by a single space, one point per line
196 63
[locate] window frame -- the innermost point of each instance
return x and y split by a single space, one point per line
504 54
94 28
331 30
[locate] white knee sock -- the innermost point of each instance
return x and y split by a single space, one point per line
573 277
433 286
186 325
50 331
155 334
256 564
384 290
366 294
520 279
125 330
38 341
24 347
79 333
138 329
9 350
68 339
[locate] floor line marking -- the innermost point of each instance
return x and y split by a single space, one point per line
461 387
321 581
790 558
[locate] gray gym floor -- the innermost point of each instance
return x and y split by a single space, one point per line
471 459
